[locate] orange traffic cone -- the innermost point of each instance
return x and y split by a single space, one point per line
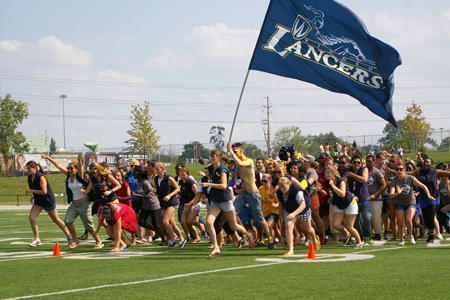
56 250
311 253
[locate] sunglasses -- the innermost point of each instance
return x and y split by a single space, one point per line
342 162
71 168
399 169
277 172
369 161
264 181
92 167
106 211
356 162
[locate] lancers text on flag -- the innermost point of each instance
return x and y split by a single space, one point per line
326 44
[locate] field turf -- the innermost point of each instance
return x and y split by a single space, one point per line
382 271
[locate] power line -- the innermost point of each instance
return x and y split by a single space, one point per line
187 87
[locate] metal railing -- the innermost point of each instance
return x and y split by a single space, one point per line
58 195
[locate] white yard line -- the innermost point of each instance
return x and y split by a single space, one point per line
176 276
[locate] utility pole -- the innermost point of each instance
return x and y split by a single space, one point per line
64 97
267 133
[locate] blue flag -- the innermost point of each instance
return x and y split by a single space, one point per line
326 44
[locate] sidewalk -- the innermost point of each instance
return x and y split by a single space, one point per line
27 207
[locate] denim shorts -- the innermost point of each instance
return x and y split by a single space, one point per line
188 207
50 208
272 217
253 199
403 207
389 199
246 216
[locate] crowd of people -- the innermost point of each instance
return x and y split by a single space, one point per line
298 199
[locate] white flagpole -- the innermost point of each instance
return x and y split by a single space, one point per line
239 103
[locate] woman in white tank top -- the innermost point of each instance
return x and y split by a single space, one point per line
80 204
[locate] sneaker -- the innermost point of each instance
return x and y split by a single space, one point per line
142 241
377 237
69 240
430 239
401 243
347 239
172 244
369 240
302 240
163 244
351 242
35 242
206 237
84 237
188 238
439 236
386 236
324 241
182 243
359 246
448 239
412 241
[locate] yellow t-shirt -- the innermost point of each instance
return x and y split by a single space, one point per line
267 202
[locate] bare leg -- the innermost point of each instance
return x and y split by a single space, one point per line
55 218
34 212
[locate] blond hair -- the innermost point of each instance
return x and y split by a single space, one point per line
160 165
284 181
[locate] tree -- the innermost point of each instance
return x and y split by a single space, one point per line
251 150
193 150
394 136
415 128
143 136
289 136
314 141
12 113
52 145
217 136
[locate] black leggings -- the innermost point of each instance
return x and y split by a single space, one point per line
152 216
222 223
444 216
428 214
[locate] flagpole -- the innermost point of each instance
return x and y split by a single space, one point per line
239 103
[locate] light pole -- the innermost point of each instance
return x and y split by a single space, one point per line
64 97
253 152
442 148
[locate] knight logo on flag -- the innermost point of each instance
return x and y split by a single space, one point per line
326 44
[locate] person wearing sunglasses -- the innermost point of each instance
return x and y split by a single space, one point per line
117 217
270 206
401 188
80 204
427 175
357 177
245 170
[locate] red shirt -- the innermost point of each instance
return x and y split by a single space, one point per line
322 180
123 193
128 217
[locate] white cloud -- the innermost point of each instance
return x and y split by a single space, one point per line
169 59
48 49
219 41
11 46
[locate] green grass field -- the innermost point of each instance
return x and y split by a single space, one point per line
382 271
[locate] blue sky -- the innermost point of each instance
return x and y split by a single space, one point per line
189 60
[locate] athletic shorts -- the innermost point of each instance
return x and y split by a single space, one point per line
137 206
315 202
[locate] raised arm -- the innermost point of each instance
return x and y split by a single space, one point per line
55 163
80 165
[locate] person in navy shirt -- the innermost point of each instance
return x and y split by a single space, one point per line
42 199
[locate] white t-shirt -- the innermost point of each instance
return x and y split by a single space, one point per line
75 187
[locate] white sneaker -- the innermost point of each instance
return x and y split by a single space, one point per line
142 241
35 242
439 236
412 241
302 240
448 239
359 246
70 240
401 243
